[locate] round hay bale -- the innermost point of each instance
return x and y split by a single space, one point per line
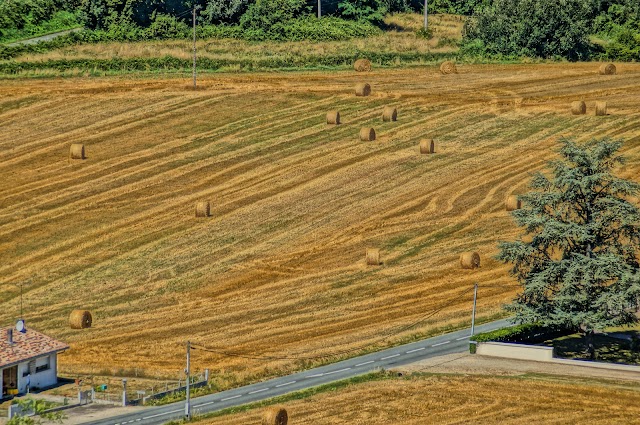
203 209
373 257
578 107
448 67
77 151
513 203
607 69
362 65
363 89
427 146
469 260
80 319
389 113
275 415
601 109
367 134
333 117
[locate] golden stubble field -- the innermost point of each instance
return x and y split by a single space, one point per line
278 270
449 400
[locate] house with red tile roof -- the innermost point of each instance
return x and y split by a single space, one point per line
27 357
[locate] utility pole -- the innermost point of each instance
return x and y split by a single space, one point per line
473 314
319 14
426 13
195 7
187 405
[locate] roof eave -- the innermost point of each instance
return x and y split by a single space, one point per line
27 359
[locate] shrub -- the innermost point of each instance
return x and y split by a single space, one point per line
165 26
529 332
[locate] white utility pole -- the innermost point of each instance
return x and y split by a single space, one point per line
473 313
319 14
426 13
194 45
187 405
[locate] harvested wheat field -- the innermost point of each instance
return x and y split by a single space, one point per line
278 269
441 400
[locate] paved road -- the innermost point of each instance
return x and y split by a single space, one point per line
47 37
455 342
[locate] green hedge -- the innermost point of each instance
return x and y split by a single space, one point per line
526 333
167 63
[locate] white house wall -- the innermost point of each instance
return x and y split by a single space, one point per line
43 379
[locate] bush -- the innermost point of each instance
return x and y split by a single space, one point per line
534 28
372 11
165 26
529 332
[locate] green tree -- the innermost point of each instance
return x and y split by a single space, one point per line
38 407
534 28
579 270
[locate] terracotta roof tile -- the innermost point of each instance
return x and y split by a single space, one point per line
26 346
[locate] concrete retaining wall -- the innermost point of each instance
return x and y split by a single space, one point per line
515 351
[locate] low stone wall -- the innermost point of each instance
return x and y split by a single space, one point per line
515 351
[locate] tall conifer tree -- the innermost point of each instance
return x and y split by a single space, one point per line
578 264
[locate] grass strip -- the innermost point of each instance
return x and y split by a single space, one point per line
297 395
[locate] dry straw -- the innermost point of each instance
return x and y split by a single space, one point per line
275 416
373 257
607 69
203 209
389 113
363 89
513 203
367 134
333 117
448 67
469 260
427 146
80 319
77 151
362 65
578 107
601 109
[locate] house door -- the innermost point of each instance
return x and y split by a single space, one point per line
9 380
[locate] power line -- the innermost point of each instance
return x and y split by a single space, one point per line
391 331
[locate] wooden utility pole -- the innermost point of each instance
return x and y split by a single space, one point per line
187 405
196 7
426 13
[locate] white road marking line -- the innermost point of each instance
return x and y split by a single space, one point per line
390 357
461 338
138 420
231 398
413 351
258 391
441 343
317 375
162 414
362 364
286 383
337 371
205 404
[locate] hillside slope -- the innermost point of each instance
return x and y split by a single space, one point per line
278 270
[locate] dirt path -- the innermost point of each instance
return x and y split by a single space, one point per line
46 37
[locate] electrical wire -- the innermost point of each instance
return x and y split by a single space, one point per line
226 353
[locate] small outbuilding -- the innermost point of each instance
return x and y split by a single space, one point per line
27 358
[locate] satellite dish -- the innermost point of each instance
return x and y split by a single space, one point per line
20 327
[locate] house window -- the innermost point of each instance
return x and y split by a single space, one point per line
42 364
